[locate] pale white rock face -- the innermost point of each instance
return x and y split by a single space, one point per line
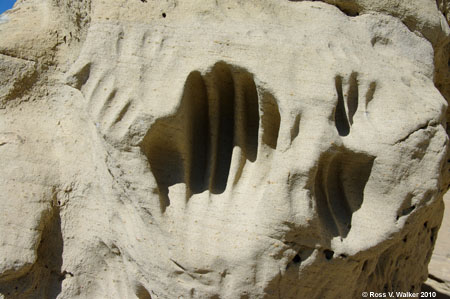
209 149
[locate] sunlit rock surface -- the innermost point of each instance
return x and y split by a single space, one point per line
216 149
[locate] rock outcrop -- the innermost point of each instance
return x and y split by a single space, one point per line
221 149
439 267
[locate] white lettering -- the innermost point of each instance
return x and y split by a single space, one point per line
406 295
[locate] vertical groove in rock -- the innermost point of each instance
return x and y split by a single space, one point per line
270 120
217 112
197 124
246 120
251 125
223 83
295 128
340 115
352 102
339 190
350 183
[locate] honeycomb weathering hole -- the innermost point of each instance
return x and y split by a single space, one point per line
218 111
350 100
339 189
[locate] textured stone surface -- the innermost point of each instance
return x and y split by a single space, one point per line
439 268
216 149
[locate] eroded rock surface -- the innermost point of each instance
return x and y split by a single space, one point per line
439 268
216 149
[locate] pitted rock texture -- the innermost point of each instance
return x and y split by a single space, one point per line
439 268
221 149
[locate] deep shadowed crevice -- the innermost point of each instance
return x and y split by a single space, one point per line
223 85
142 293
164 156
80 77
328 254
250 115
197 123
339 190
270 120
45 278
50 255
218 111
320 192
176 146
347 104
350 8
352 97
246 126
340 116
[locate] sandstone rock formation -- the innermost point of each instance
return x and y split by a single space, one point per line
221 149
439 267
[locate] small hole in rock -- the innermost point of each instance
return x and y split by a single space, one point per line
425 224
328 254
408 210
164 15
433 234
364 267
297 259
405 239
343 256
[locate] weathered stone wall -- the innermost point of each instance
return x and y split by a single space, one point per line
221 149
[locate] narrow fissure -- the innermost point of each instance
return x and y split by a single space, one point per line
270 120
352 97
225 137
340 116
197 125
